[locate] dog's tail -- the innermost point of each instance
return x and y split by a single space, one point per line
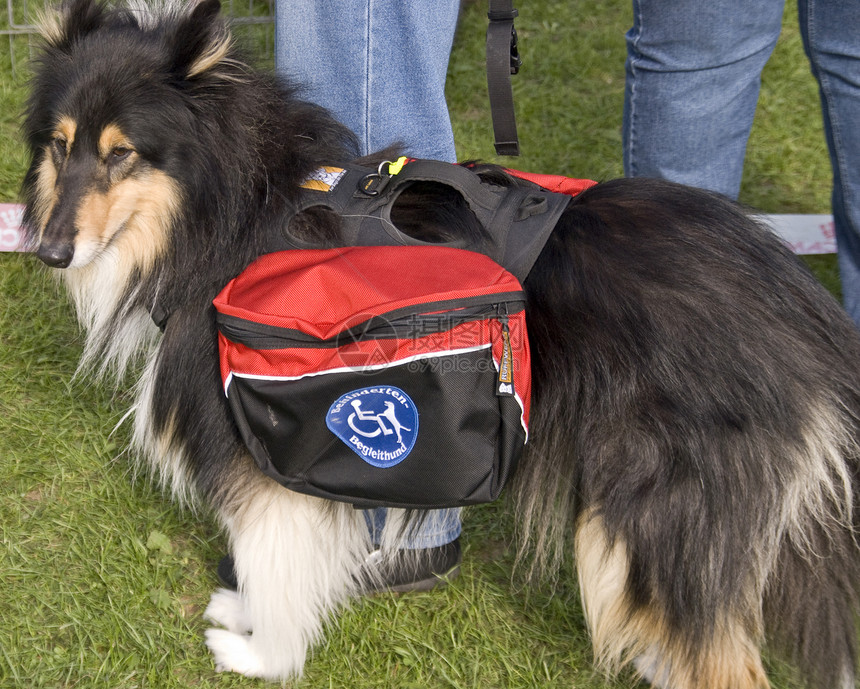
811 606
811 602
694 437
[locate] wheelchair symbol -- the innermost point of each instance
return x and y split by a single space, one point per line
384 422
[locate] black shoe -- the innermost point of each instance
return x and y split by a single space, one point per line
227 573
414 570
421 570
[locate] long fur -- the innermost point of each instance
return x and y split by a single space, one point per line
694 438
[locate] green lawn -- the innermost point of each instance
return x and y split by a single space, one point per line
104 580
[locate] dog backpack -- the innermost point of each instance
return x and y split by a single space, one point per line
389 371
393 376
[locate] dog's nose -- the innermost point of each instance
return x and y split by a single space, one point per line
56 256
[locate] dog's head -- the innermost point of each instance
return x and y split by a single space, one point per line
110 124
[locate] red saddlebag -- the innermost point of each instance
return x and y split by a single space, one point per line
380 376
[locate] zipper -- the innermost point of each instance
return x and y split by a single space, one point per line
505 382
401 323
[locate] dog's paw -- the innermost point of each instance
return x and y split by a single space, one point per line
233 653
227 609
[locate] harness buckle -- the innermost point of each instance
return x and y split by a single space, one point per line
374 183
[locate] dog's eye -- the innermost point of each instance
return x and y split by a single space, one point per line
59 144
119 153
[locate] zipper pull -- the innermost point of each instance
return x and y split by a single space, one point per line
505 383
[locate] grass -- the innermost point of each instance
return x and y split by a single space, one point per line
104 580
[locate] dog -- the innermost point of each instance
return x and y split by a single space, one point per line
696 393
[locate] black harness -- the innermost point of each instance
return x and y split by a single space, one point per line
518 219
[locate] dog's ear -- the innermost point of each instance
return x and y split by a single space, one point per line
201 40
75 19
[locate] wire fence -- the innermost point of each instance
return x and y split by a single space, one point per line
253 21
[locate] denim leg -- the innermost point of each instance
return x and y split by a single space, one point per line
380 67
438 528
693 75
832 42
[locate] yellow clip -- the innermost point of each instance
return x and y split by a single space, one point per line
397 165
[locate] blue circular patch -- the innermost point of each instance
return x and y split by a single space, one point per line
379 424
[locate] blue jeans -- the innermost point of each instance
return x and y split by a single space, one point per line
693 76
380 67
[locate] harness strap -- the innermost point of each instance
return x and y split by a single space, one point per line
477 194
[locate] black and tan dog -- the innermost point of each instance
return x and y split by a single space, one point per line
696 406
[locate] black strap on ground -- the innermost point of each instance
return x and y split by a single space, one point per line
503 60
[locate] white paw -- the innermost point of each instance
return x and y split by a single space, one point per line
233 653
227 609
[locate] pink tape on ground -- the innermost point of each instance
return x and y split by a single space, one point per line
10 226
805 234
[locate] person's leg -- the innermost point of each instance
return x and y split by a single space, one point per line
832 42
693 76
379 65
